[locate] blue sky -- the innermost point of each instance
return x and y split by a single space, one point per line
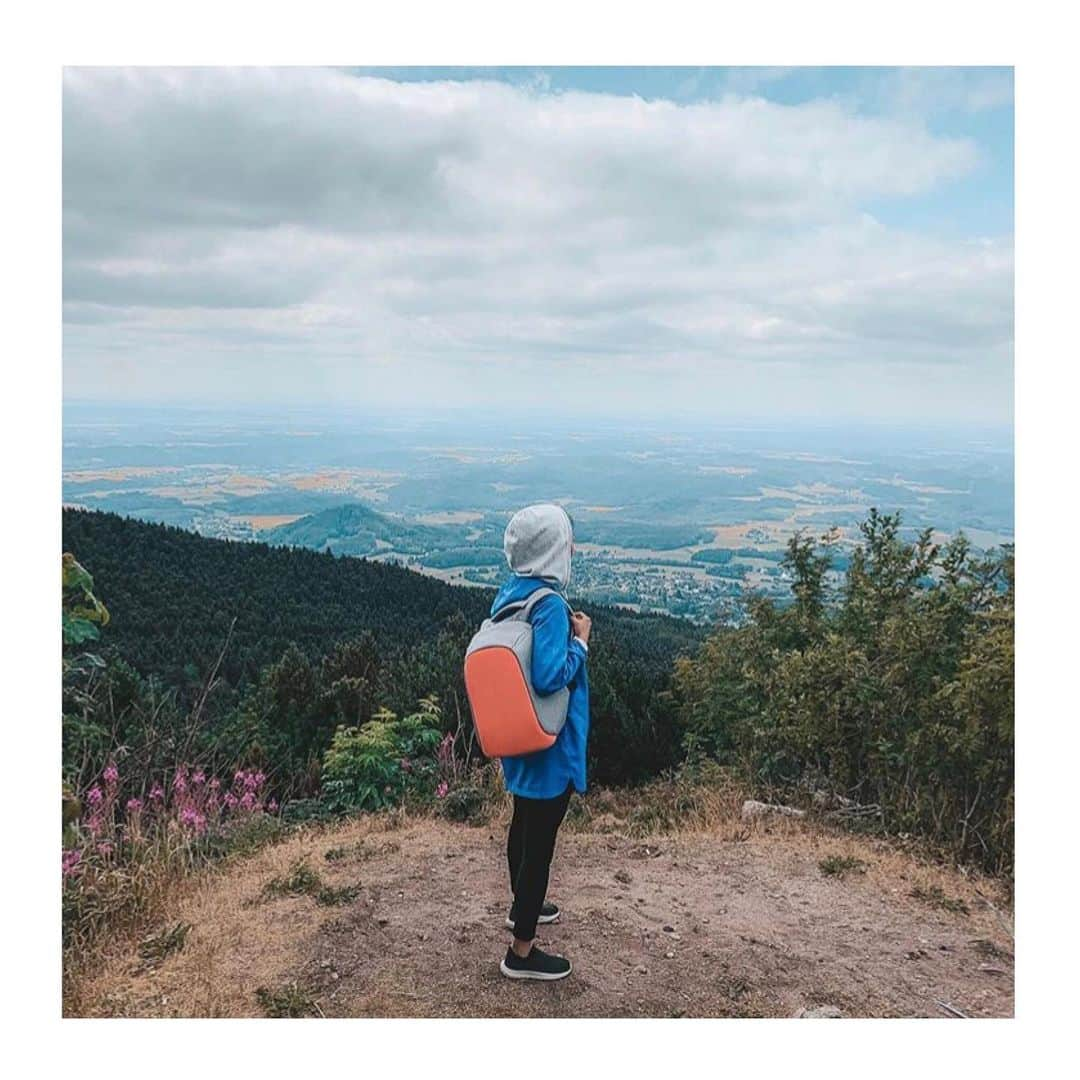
787 242
974 103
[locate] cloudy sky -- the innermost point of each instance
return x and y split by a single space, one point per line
760 242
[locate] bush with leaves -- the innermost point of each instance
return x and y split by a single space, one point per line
379 763
897 691
81 611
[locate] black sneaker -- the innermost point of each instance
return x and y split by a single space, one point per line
549 913
537 965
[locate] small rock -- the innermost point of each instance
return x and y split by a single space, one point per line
820 1012
623 876
753 810
669 929
669 955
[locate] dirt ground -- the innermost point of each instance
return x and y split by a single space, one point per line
728 923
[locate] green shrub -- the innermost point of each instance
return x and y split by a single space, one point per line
897 691
379 763
466 803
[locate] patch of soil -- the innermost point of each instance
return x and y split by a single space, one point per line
690 925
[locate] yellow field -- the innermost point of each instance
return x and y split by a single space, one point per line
125 472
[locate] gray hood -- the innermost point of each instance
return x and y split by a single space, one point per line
537 543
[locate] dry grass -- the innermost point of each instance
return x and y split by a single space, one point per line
244 954
232 950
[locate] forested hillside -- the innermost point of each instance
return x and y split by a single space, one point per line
313 626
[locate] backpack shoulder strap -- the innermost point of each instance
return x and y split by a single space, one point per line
522 609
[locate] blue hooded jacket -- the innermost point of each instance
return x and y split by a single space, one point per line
558 660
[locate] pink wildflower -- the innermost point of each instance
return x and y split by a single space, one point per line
442 789
446 749
198 778
157 793
133 806
111 774
105 848
94 796
71 861
191 818
272 806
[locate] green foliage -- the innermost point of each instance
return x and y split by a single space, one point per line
896 691
81 611
899 694
175 597
287 719
935 897
302 880
378 763
466 803
287 1002
246 836
839 866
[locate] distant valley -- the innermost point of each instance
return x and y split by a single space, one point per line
685 522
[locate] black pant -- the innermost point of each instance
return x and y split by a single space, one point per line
529 848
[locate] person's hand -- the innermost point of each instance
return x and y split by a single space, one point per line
581 625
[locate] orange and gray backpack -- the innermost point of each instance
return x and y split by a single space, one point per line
511 718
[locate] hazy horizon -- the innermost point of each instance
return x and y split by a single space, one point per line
528 418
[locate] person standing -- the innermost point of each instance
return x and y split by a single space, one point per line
539 546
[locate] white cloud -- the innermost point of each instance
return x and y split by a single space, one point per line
287 232
920 90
